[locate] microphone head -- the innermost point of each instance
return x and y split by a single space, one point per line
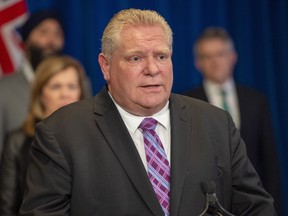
208 187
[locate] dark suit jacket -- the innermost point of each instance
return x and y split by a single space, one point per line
257 133
84 162
13 170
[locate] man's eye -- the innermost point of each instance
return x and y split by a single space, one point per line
134 59
162 57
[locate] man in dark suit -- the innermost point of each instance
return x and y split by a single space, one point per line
135 148
215 58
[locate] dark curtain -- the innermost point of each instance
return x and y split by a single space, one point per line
259 28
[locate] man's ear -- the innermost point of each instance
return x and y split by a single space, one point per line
234 57
197 64
104 65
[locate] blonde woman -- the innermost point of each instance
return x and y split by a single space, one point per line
59 81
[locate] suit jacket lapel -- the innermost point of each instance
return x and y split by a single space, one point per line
124 149
179 151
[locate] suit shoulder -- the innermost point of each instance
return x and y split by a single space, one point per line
194 92
72 113
13 85
194 103
248 89
253 95
10 79
199 111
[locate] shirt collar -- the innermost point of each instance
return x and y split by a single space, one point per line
213 87
132 122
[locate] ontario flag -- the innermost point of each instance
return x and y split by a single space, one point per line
13 14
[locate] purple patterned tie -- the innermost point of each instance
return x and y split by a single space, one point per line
157 163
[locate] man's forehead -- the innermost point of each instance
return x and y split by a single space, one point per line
49 22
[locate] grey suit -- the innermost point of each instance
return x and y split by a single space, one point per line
14 99
84 162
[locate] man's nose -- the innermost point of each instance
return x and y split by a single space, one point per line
152 66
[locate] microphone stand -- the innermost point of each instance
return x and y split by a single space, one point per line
213 206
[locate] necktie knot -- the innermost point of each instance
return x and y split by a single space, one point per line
223 92
148 124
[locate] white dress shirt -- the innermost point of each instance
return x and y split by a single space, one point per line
213 92
163 129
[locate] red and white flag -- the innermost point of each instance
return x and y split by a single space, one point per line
13 13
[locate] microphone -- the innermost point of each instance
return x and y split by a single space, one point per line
213 207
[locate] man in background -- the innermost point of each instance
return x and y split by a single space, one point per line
43 35
215 58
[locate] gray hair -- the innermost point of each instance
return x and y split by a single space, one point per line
213 33
111 34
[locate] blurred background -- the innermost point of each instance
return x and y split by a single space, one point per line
259 29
